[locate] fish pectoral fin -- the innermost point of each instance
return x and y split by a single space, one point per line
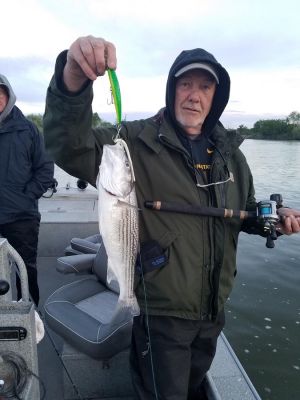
124 203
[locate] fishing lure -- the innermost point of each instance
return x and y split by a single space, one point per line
116 93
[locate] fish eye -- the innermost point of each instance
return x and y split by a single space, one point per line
127 165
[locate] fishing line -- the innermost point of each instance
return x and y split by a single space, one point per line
61 360
148 328
116 97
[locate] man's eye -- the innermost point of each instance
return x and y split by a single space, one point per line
206 87
184 84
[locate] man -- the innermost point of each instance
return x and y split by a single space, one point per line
184 155
26 173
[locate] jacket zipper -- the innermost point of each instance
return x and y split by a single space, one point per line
190 164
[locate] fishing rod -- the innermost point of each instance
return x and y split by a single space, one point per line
198 210
265 214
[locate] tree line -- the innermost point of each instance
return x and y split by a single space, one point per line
37 119
272 129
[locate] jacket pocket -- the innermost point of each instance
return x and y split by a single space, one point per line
154 256
15 200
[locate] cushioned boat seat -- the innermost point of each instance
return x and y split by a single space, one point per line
86 312
88 245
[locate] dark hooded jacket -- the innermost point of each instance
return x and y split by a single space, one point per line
221 96
201 251
26 171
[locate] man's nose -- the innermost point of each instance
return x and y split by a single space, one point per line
194 95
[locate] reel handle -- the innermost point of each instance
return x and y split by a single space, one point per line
272 229
270 242
271 237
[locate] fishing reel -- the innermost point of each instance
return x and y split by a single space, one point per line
267 217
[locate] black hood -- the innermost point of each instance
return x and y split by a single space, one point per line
221 96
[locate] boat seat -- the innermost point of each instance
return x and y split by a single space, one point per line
86 245
86 312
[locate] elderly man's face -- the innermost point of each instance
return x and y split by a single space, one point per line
3 99
193 99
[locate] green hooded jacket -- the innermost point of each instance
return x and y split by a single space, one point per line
199 275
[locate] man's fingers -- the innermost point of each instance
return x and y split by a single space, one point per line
295 227
289 225
93 55
104 55
86 56
286 212
111 59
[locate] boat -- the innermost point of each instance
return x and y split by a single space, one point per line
64 373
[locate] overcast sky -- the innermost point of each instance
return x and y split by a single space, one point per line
257 41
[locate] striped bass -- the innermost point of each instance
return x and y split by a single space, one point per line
118 219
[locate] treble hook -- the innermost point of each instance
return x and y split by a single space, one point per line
117 135
111 101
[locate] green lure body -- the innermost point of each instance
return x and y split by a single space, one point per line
116 93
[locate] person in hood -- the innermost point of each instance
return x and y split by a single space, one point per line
26 172
184 155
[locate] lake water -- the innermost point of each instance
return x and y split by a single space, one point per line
263 312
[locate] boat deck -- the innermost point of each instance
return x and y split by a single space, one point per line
72 213
227 378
